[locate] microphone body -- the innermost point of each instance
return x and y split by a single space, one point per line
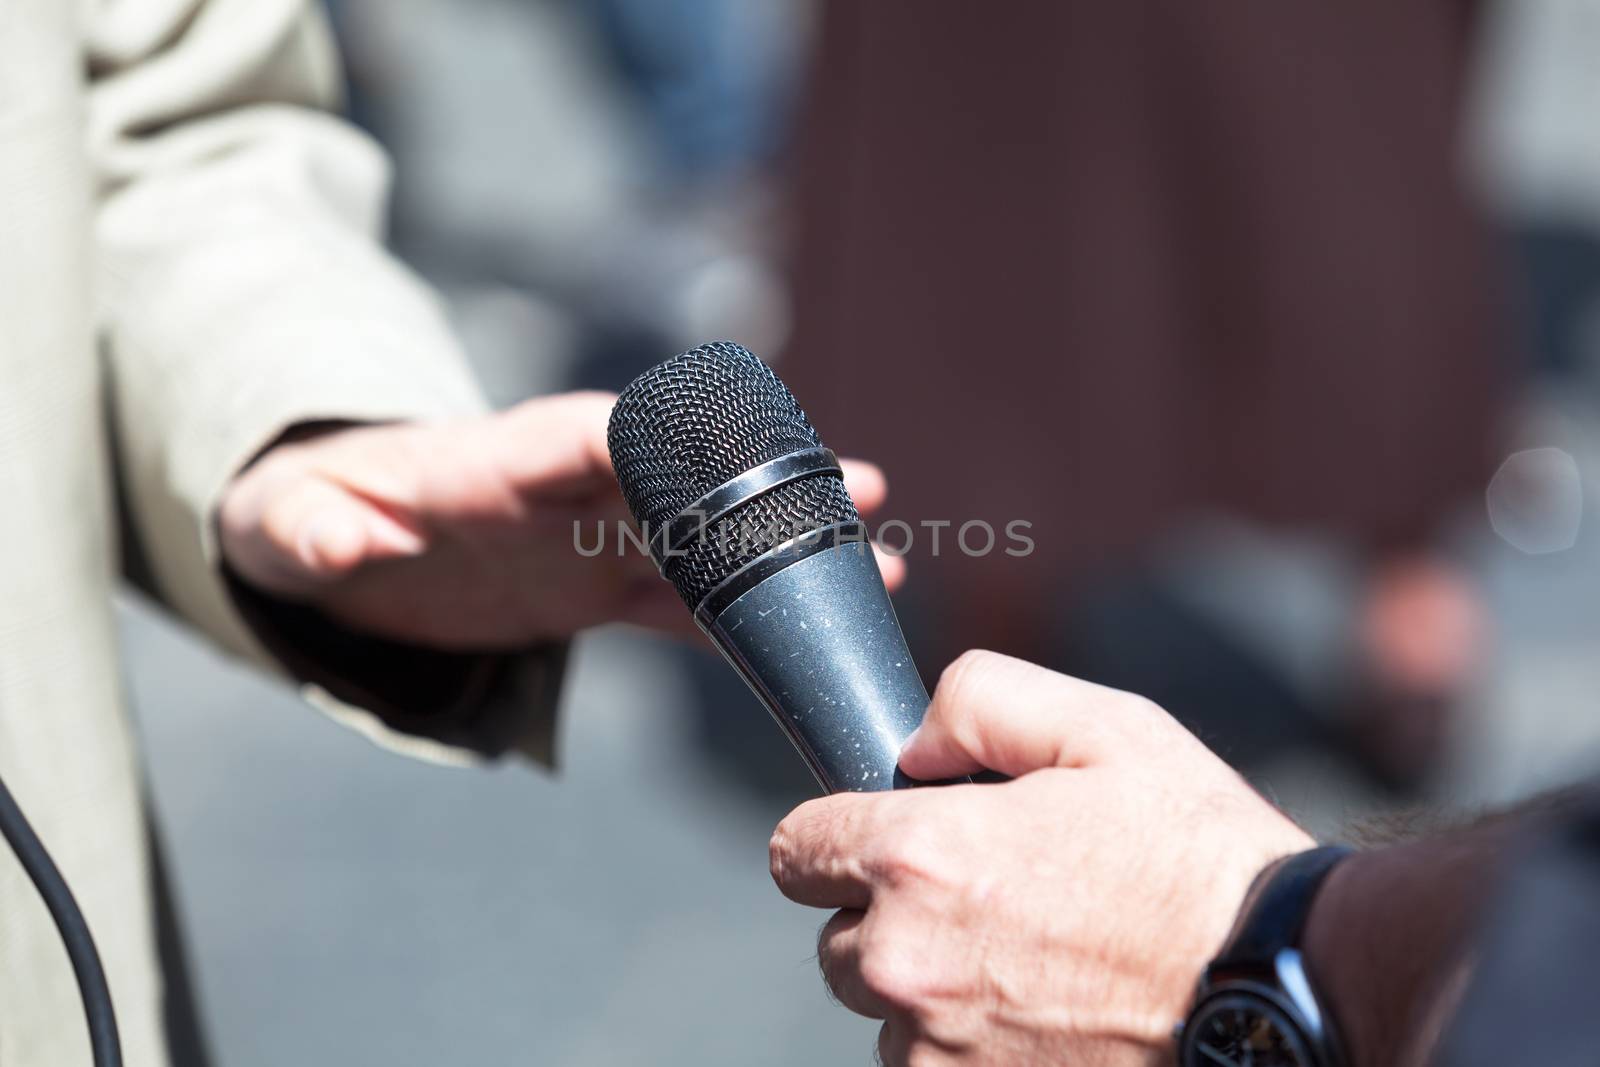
746 513
819 643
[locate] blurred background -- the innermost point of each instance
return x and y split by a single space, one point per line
1280 329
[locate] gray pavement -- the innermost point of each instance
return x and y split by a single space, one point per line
348 906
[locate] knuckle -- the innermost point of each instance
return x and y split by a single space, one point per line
912 854
903 1043
932 848
1143 716
778 847
967 672
1140 709
280 517
961 688
825 955
831 968
890 972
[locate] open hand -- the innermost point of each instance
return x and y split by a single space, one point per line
458 535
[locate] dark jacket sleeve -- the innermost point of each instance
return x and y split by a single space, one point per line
1535 994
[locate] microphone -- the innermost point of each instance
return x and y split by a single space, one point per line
746 513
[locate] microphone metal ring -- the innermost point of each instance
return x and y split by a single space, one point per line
735 493
826 538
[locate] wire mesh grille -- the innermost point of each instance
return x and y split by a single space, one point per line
688 425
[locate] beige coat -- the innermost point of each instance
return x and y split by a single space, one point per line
188 264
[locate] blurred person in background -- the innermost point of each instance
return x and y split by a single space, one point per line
632 201
216 377
706 76
1194 276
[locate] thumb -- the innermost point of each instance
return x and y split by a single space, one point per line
995 713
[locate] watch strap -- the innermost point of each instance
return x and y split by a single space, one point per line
1275 913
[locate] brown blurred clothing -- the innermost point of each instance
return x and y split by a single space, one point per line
1106 266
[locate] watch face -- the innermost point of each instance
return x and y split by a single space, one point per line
1243 1030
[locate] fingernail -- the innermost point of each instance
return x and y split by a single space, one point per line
394 539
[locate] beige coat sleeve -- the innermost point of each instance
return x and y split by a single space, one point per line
242 289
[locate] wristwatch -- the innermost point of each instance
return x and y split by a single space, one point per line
1255 1006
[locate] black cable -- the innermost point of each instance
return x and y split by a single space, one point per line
102 1018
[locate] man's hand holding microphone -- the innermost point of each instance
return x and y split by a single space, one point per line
1061 917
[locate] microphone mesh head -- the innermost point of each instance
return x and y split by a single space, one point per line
686 426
